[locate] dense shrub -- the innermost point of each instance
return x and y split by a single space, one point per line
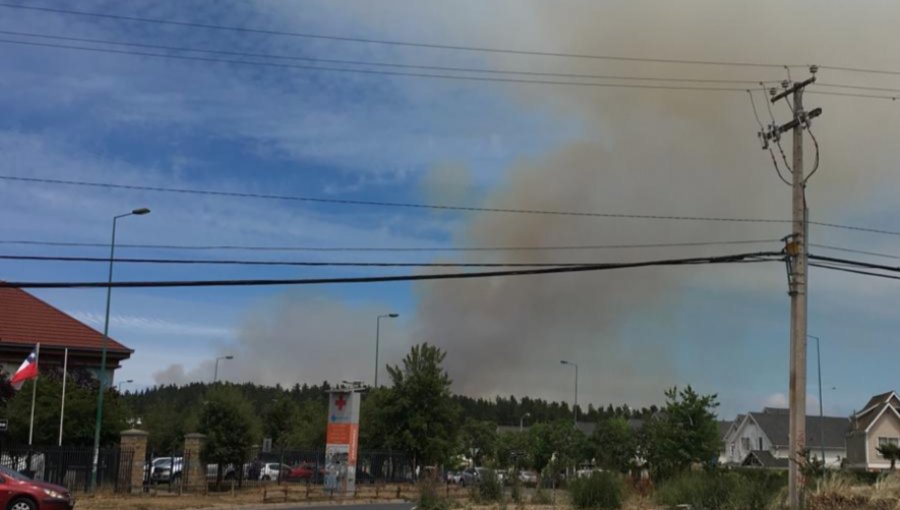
541 496
718 490
600 490
490 488
429 495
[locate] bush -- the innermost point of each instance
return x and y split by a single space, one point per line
600 490
490 488
718 490
540 496
429 495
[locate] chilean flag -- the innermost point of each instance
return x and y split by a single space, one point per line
28 370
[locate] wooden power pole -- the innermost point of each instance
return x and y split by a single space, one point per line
797 285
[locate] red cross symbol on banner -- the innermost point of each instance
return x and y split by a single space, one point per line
340 402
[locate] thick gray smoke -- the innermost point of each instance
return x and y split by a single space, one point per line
643 152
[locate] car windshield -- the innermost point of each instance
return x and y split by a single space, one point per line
9 473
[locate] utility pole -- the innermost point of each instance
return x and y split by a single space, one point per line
796 258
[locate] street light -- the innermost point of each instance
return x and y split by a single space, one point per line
575 405
377 339
821 413
216 373
102 375
522 421
120 383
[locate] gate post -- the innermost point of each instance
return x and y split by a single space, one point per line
194 476
134 441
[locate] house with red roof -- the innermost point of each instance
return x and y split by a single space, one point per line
26 320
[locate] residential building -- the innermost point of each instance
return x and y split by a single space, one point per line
26 320
877 424
767 431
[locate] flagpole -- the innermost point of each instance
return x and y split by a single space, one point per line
62 407
37 357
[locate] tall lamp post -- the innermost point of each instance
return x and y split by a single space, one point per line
102 375
216 372
821 413
575 404
120 383
378 339
522 421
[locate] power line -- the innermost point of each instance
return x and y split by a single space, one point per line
727 259
422 66
446 207
126 260
568 83
231 247
383 64
307 35
370 71
857 263
854 271
411 205
853 250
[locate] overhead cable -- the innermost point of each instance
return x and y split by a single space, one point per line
726 259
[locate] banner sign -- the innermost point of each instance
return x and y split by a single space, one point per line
341 441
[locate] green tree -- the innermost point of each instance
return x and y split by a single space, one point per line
307 429
81 412
684 433
891 452
424 417
614 444
513 449
280 419
560 440
230 425
478 439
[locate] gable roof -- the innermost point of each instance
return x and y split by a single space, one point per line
724 428
776 426
27 320
881 398
874 408
765 459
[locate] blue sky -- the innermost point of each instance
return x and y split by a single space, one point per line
160 122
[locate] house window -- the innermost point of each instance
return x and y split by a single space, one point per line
760 444
887 440
745 444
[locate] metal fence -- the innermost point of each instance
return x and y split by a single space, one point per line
71 467
308 467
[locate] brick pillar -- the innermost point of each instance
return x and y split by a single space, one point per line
134 441
195 476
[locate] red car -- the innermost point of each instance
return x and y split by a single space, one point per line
301 472
18 492
304 472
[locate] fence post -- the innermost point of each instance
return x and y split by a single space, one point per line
195 477
135 441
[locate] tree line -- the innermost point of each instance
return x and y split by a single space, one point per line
416 413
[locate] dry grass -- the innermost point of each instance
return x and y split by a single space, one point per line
837 492
268 494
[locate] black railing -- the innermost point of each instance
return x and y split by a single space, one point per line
70 467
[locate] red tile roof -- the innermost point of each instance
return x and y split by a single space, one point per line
25 319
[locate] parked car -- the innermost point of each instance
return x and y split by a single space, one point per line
166 469
306 471
528 478
22 493
454 477
274 471
470 476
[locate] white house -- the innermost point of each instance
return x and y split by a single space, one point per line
761 439
876 425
